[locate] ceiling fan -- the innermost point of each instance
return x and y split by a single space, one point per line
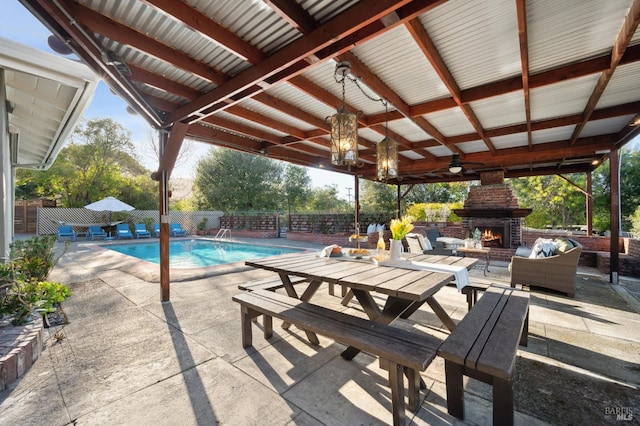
456 166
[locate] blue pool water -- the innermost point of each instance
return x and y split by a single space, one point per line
199 253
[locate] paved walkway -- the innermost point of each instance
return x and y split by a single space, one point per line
125 358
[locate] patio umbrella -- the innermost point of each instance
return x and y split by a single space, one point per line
109 204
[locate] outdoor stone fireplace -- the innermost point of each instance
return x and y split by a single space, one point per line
493 208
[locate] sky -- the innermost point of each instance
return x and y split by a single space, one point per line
19 25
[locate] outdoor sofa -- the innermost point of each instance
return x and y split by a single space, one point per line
557 271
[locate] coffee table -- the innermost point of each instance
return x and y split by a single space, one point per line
486 251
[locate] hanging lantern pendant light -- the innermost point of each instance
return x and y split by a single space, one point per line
387 153
344 127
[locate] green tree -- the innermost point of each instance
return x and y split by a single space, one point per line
629 190
230 180
553 200
377 197
635 223
447 192
98 163
296 187
326 199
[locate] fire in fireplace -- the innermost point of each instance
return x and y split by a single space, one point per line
491 237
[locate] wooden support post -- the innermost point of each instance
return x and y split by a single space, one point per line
589 204
614 173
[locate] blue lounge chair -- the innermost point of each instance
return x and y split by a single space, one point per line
94 232
141 231
176 230
122 231
66 231
156 230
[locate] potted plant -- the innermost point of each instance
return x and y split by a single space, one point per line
202 226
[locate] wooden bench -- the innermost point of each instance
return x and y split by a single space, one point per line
471 290
484 346
403 351
270 284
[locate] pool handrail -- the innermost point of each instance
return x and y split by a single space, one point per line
222 232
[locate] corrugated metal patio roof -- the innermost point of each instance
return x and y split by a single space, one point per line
523 86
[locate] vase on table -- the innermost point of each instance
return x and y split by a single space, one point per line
395 249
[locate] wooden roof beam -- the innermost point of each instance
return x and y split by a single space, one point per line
356 18
545 78
171 151
619 47
521 10
381 89
294 14
125 35
88 48
204 25
424 42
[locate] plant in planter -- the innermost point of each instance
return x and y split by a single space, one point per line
23 287
202 226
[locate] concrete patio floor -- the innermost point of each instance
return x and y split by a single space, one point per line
125 358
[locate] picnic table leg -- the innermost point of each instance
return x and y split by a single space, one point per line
455 389
392 309
306 296
347 297
441 313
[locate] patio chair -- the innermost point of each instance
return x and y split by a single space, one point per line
140 230
94 232
418 244
122 231
66 231
555 272
176 230
437 246
156 230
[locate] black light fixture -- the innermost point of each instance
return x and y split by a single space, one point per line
344 126
455 166
387 152
58 45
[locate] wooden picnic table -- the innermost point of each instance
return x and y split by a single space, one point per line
406 289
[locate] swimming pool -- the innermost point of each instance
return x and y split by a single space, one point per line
199 253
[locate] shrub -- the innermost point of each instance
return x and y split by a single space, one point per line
23 285
635 223
435 212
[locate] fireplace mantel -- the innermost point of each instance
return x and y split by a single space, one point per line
493 213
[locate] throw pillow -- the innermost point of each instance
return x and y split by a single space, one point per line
564 244
543 247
